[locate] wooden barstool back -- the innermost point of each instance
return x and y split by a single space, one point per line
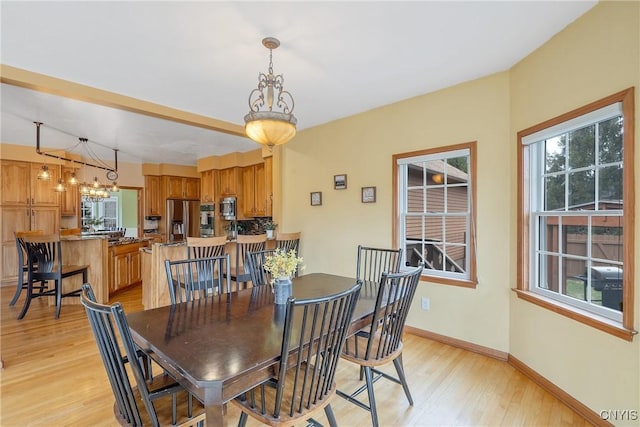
288 241
206 247
46 249
244 244
23 259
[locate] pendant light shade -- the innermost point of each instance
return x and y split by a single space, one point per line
270 120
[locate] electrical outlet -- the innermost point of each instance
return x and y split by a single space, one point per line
425 303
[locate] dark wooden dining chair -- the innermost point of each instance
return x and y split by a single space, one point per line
23 268
288 241
372 262
205 247
381 342
244 244
198 278
255 266
46 250
159 401
314 331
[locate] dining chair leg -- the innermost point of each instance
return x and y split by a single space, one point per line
58 285
397 362
242 422
372 399
330 416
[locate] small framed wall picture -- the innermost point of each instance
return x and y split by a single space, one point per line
340 182
316 198
368 194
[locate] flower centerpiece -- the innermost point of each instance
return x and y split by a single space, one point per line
282 265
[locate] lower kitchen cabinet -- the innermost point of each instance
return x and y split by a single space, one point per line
125 268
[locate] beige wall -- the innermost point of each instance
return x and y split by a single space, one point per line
596 56
361 147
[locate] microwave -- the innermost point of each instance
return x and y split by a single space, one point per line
228 208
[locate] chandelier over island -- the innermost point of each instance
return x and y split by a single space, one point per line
270 120
93 192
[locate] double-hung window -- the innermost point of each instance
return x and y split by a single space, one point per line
575 229
434 203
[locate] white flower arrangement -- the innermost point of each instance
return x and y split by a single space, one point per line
282 264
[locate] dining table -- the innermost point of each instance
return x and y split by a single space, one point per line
221 346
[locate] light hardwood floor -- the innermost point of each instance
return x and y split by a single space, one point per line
53 376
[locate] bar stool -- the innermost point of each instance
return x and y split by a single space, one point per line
22 264
288 241
244 244
47 251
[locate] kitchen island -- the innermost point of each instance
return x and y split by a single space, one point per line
92 251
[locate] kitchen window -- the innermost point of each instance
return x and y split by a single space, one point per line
106 210
575 224
435 212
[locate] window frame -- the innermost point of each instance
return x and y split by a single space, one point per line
624 328
397 233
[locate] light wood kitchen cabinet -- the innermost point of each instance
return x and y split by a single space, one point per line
178 187
228 181
20 185
42 191
207 186
254 198
69 205
153 195
125 265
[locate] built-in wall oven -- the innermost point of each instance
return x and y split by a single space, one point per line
207 220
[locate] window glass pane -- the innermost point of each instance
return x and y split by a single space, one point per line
415 200
554 195
433 228
610 185
582 187
548 272
610 143
433 256
607 279
554 154
435 199
455 258
606 241
574 279
457 169
414 227
550 237
575 236
457 199
582 147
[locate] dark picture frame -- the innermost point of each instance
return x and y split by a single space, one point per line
368 194
340 182
316 198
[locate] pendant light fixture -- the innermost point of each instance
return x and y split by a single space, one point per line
270 120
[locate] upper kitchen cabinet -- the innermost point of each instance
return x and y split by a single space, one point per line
256 200
21 186
229 181
69 205
178 187
207 186
153 195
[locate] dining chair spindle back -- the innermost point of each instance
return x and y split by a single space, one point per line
244 244
205 247
288 241
255 266
313 337
372 262
198 278
165 402
381 342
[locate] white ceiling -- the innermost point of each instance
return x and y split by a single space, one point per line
337 58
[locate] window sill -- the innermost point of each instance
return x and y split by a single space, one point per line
448 281
589 319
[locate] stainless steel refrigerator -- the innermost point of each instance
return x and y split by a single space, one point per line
183 219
